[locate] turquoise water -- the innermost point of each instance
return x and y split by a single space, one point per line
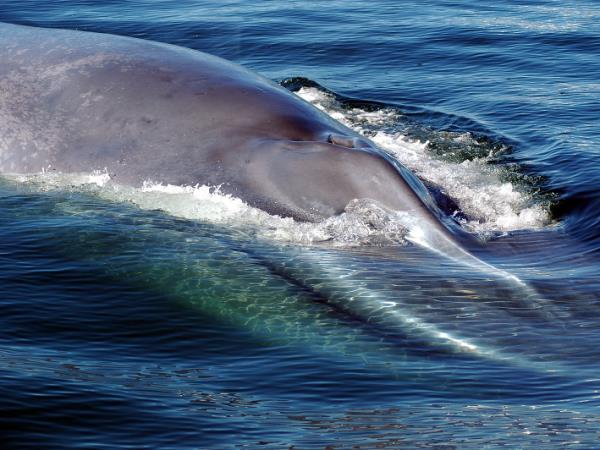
147 320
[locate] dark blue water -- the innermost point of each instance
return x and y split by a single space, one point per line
127 327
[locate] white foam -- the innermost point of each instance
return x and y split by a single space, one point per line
363 222
475 185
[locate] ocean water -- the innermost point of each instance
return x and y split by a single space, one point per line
177 317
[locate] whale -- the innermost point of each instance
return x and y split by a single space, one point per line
143 111
75 101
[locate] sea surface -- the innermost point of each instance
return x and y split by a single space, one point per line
179 318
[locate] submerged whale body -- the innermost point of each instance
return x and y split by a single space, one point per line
144 111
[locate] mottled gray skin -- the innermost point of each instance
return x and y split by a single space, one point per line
144 111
